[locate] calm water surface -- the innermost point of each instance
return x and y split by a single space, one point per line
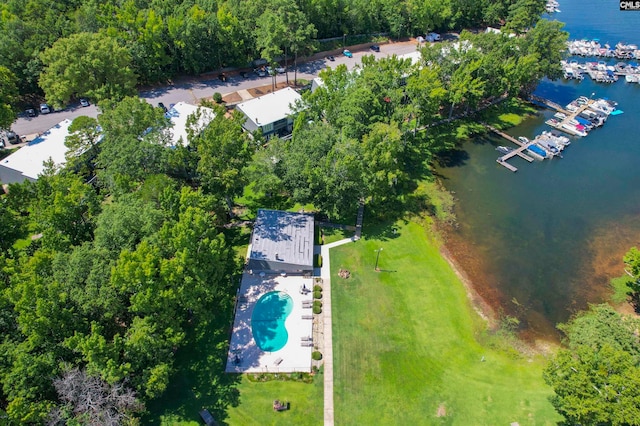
545 241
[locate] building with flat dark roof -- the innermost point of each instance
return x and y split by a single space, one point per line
282 242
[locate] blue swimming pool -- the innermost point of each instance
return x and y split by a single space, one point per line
267 320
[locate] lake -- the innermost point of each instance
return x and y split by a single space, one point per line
544 242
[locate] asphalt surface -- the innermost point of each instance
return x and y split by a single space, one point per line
192 90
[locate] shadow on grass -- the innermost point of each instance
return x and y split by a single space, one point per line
200 380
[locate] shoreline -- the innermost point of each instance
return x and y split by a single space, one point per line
536 346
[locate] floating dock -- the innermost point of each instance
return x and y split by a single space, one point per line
576 119
518 151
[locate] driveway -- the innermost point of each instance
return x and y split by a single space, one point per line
193 89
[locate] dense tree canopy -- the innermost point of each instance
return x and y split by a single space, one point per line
157 39
597 379
8 96
100 293
86 64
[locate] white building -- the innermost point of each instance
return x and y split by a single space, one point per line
179 114
270 113
27 163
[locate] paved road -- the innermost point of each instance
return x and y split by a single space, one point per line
191 91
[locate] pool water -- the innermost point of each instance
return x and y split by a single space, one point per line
267 320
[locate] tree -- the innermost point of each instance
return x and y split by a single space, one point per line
546 41
8 97
82 144
12 227
632 261
523 14
134 142
223 150
86 64
90 401
596 380
65 210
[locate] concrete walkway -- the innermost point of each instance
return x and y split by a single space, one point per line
244 94
325 274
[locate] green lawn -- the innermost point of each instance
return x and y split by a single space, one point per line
256 399
406 347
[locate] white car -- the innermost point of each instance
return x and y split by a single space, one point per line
45 109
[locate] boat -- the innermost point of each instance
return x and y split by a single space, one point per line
504 149
560 115
523 139
631 78
536 150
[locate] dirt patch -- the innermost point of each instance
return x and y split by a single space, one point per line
263 90
232 98
442 411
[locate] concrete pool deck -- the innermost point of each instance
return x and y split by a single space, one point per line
293 356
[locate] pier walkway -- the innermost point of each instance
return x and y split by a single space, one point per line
549 104
565 125
518 151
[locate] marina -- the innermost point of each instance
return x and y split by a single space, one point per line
594 48
600 71
576 119
545 241
552 6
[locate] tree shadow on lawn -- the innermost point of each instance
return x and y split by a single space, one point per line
200 380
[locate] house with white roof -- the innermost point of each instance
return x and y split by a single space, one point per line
270 113
179 114
27 163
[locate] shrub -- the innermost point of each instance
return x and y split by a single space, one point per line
317 303
317 287
316 356
318 261
317 295
217 97
317 310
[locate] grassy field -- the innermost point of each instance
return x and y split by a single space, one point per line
406 345
255 408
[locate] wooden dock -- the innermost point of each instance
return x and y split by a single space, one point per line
549 104
560 125
518 151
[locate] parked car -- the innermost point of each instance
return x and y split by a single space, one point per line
280 70
222 77
31 112
12 137
431 37
207 418
347 53
375 47
45 109
331 58
161 105
243 74
84 102
262 72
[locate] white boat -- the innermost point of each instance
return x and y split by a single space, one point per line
523 139
631 78
504 149
560 115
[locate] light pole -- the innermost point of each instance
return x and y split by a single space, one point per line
377 258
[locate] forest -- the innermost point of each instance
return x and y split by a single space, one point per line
110 266
133 42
